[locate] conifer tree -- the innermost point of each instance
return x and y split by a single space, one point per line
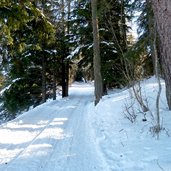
24 52
113 41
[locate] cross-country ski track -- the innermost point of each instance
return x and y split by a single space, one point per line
51 137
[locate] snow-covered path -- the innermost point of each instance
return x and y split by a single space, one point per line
51 137
72 135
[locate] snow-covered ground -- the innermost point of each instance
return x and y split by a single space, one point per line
130 146
72 135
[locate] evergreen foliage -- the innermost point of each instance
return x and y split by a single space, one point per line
140 55
41 40
30 37
112 41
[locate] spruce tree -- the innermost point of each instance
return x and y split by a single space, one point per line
24 53
113 41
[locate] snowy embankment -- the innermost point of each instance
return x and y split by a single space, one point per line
130 146
72 135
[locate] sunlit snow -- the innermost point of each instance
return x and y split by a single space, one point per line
71 134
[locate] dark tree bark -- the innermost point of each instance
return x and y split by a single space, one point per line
54 83
123 27
67 50
65 63
162 14
43 66
65 78
43 79
97 62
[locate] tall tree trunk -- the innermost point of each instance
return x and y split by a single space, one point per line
63 79
151 29
43 79
54 83
67 51
96 59
123 27
158 126
68 15
65 69
67 78
162 13
43 65
63 55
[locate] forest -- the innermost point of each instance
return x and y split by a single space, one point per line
85 85
45 45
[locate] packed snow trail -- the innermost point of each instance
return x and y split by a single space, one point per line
51 137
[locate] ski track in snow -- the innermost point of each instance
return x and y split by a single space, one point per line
51 138
71 134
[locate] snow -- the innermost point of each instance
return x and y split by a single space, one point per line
107 43
130 146
71 134
75 52
8 87
51 51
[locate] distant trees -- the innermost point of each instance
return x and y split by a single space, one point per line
113 39
40 40
37 39
139 56
113 24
